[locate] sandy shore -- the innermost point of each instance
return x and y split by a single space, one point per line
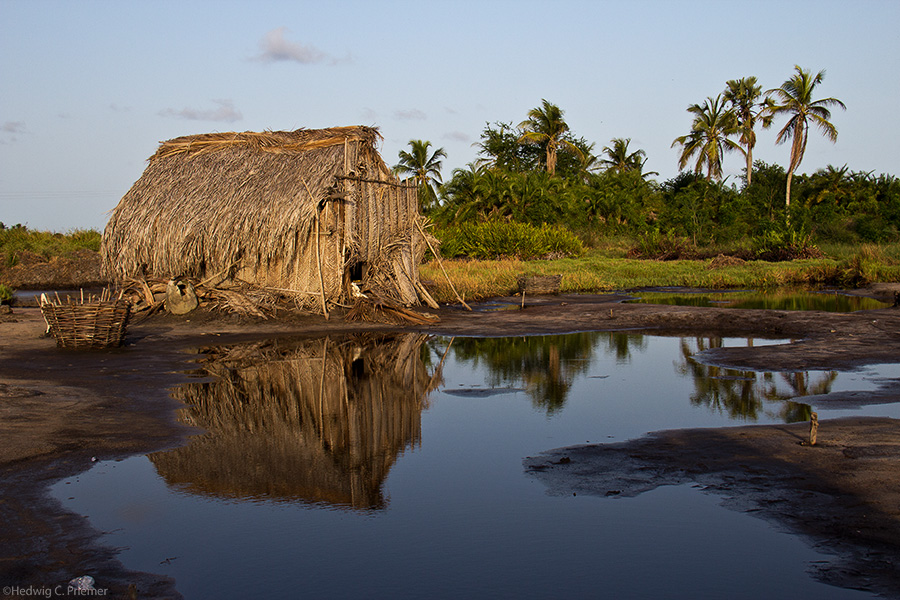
59 409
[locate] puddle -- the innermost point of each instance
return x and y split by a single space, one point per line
826 301
32 298
390 466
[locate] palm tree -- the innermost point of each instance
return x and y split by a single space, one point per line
709 138
588 161
618 158
424 168
545 126
743 98
794 98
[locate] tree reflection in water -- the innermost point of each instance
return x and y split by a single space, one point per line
744 394
545 366
316 420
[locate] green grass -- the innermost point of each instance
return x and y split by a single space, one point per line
16 240
602 270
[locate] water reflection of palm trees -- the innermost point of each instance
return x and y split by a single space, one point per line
319 420
744 394
545 365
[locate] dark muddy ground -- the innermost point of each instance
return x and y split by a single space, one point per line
59 409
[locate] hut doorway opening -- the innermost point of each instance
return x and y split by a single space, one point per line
357 271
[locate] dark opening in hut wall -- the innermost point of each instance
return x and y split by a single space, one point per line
288 212
313 420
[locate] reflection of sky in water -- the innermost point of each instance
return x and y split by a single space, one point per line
461 517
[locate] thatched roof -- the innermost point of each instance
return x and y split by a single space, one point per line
273 142
207 201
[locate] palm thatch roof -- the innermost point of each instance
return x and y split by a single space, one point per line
275 208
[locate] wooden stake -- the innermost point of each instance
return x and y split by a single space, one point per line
813 428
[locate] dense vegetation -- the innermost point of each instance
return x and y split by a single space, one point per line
542 174
18 239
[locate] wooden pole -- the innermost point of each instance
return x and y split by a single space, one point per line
437 257
319 264
813 428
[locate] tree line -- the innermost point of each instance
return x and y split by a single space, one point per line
539 172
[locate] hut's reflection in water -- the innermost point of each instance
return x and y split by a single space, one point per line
315 420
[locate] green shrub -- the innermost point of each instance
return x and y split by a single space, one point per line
496 239
6 293
784 244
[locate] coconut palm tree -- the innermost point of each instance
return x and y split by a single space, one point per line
709 138
743 98
425 168
545 127
618 158
795 99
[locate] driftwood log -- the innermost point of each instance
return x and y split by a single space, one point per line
539 284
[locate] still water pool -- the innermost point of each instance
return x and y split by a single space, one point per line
390 466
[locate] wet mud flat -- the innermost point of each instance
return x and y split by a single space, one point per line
59 410
841 495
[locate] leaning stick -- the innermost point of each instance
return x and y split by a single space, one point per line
426 296
441 264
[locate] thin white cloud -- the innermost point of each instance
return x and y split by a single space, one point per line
13 127
275 48
413 114
457 136
226 112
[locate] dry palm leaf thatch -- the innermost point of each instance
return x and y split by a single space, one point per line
380 310
234 297
276 142
292 210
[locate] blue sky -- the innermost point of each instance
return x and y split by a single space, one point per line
89 88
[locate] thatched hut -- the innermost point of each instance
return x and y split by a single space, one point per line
302 212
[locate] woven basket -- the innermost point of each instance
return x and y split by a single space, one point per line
88 325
